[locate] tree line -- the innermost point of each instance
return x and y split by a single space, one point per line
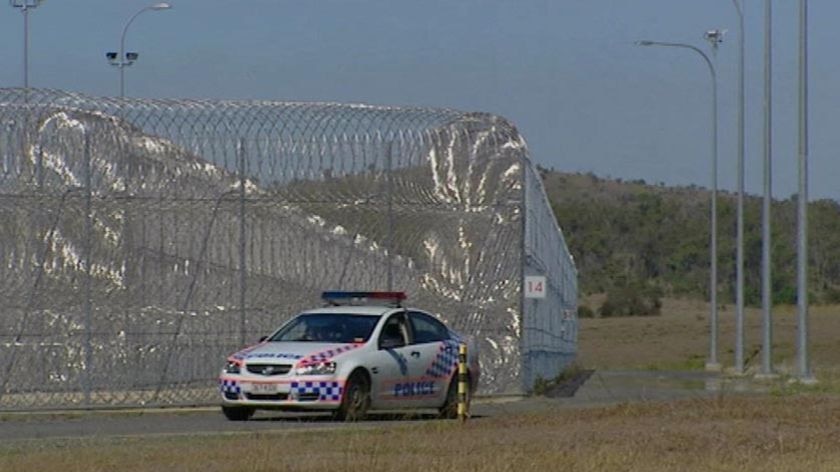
631 239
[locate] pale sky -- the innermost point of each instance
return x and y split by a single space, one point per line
565 72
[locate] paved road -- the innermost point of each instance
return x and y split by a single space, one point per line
601 388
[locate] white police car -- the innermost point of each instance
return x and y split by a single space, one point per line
363 352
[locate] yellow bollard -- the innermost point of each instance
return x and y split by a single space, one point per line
463 383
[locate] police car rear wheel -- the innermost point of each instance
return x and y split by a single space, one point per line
237 413
356 399
449 410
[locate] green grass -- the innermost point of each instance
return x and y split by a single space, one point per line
786 385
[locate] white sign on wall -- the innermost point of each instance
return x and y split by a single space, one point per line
535 286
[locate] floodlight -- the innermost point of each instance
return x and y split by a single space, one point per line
714 37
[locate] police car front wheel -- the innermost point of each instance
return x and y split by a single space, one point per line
356 398
237 413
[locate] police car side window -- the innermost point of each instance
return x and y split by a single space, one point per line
393 332
427 329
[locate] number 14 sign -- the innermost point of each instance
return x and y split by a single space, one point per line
535 286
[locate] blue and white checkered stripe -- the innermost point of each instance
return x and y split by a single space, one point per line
445 361
230 386
327 391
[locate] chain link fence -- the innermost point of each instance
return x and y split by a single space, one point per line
144 240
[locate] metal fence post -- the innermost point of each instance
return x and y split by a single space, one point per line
88 307
242 252
39 168
390 198
523 257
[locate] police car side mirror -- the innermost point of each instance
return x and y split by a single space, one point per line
263 338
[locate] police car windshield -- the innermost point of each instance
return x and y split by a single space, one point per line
327 328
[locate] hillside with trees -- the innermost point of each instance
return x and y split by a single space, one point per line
629 237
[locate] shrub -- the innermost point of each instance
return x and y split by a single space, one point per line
571 373
585 312
786 295
831 295
541 386
632 299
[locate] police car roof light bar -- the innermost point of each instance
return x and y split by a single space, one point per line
338 298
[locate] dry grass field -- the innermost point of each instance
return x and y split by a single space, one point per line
679 338
791 429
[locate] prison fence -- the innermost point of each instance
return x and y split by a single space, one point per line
142 241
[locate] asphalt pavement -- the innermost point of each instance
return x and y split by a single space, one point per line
593 389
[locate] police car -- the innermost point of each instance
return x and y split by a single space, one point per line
363 351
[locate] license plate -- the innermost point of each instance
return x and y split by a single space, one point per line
263 388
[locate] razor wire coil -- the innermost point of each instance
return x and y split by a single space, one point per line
144 240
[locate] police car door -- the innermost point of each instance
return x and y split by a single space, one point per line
438 355
390 370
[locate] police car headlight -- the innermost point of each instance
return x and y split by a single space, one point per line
232 368
320 368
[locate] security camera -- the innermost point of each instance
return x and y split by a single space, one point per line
131 56
714 36
112 56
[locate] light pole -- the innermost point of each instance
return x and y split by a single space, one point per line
739 264
766 261
714 37
125 59
805 374
25 6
